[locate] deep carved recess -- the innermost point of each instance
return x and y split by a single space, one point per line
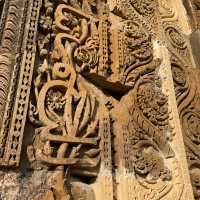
1 7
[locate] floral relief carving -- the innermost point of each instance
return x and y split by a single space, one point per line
142 11
147 149
176 39
144 7
87 56
147 159
137 52
187 95
150 166
67 112
153 104
166 11
74 122
193 125
179 78
173 37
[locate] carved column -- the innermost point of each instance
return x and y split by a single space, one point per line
186 80
146 124
12 28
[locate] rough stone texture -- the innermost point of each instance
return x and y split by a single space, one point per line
195 43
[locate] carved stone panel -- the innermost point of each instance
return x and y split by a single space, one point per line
93 97
12 30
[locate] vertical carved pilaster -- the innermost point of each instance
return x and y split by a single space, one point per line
13 21
20 106
148 150
186 82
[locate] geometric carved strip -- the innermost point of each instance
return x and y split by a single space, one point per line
12 21
15 134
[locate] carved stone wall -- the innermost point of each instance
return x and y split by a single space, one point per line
99 100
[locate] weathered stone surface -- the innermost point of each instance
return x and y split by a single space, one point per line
99 99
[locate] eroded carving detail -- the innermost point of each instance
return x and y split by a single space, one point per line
143 12
144 7
176 39
147 148
187 94
94 75
10 49
74 125
196 12
136 52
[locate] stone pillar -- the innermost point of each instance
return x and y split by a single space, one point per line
132 168
168 89
11 35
